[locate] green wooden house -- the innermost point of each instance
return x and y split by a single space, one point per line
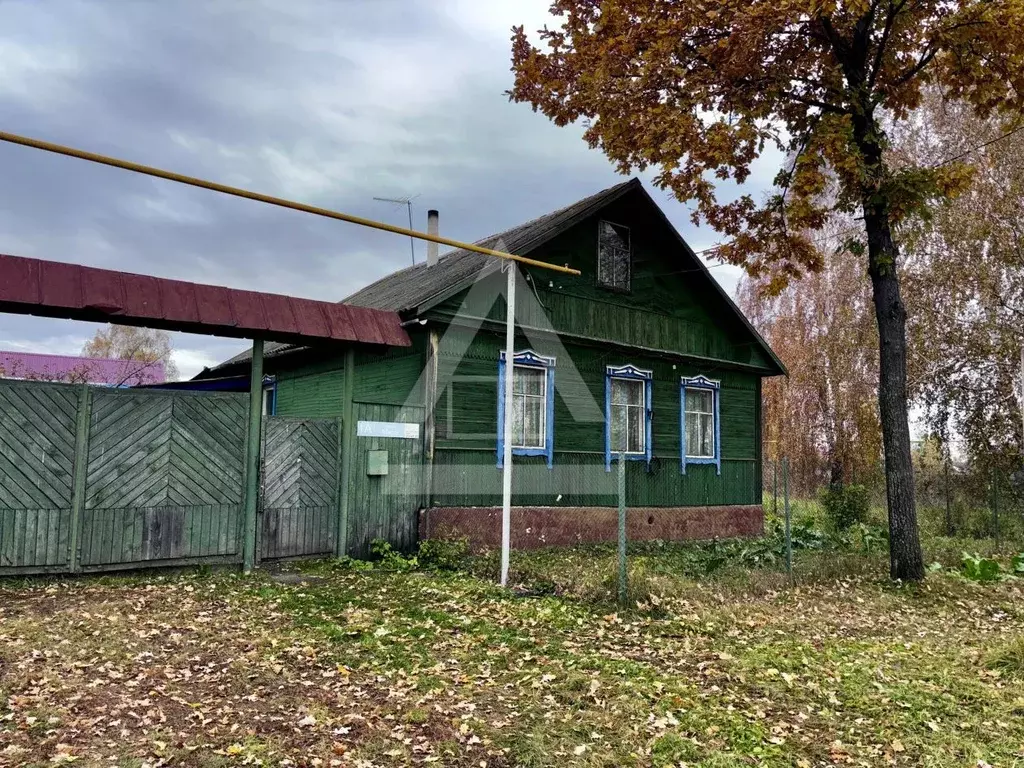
643 357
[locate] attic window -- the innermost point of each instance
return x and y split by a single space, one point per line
614 256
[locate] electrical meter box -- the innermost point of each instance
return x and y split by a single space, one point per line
376 463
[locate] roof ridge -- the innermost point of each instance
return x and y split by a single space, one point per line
458 253
550 214
409 287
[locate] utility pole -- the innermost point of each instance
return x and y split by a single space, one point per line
407 202
506 467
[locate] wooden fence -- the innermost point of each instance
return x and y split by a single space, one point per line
95 479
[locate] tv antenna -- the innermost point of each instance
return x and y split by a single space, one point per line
407 202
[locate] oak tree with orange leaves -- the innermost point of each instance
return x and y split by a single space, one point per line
700 88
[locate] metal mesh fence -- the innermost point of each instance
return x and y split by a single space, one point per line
611 550
986 506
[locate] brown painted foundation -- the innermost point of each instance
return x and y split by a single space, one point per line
539 527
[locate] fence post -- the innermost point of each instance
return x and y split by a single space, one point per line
252 457
80 467
348 445
789 532
622 530
949 508
775 489
995 507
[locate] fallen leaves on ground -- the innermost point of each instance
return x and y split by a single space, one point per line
377 669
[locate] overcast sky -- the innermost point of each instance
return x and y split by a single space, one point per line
330 103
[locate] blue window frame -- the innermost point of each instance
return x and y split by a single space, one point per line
627 414
269 396
533 406
699 423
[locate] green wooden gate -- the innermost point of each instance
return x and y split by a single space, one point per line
164 480
298 501
37 457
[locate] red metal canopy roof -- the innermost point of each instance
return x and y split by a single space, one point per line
74 292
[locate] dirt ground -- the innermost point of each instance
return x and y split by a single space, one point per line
381 669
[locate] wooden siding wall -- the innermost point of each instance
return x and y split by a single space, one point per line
465 471
311 392
387 387
386 507
671 307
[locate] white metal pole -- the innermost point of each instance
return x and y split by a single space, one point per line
506 464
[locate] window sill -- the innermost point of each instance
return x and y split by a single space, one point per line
546 453
610 458
714 461
613 289
518 450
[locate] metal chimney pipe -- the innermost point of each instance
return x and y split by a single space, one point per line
432 229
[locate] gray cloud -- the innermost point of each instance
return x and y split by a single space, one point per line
326 102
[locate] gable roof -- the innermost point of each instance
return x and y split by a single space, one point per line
780 366
415 286
419 287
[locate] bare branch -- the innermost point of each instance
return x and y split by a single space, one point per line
890 20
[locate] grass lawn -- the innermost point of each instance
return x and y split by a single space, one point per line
372 668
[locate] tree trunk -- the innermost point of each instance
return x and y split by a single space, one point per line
906 561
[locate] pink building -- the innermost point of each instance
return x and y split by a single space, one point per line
72 369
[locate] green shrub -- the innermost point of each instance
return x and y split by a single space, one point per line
444 554
1018 564
870 538
977 568
846 506
389 559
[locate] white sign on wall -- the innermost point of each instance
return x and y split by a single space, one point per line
399 429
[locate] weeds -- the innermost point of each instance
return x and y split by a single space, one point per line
846 506
978 568
444 554
1007 658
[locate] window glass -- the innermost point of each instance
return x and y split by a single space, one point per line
700 423
529 407
628 416
614 260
